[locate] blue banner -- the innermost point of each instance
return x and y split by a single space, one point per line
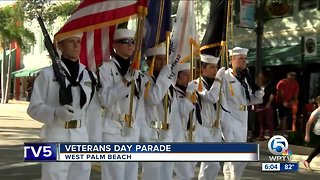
40 151
289 166
159 10
158 148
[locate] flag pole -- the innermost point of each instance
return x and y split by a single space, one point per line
223 56
165 125
136 64
193 96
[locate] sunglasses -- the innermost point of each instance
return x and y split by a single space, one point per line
125 41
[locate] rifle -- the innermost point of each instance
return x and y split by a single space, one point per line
59 72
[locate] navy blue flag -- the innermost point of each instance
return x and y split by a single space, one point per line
216 31
158 11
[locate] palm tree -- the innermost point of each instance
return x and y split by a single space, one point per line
11 20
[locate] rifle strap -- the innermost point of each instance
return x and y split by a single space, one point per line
93 84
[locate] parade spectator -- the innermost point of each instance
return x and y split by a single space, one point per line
314 118
287 95
264 111
29 89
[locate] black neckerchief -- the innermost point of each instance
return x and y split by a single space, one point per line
123 64
207 82
73 68
123 68
182 88
241 76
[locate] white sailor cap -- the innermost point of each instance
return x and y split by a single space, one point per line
183 66
238 51
157 50
79 35
123 34
209 59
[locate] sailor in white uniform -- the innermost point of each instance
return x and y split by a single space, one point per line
181 124
240 92
156 129
65 122
116 77
211 127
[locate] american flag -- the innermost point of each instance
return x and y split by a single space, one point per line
97 20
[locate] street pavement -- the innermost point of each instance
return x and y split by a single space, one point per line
16 127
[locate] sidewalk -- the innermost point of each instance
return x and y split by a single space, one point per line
16 127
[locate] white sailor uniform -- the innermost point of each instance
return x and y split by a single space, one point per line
115 97
153 130
180 131
238 103
43 105
209 103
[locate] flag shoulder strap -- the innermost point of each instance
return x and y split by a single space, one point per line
94 83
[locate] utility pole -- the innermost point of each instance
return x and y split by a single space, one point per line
259 33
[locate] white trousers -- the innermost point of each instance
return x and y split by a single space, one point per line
234 170
210 170
157 170
184 170
66 171
119 170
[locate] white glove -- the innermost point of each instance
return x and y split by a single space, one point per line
132 74
221 73
65 113
259 94
192 86
166 70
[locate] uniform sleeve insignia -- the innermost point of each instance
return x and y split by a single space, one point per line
87 83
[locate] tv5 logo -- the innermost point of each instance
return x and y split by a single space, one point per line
40 152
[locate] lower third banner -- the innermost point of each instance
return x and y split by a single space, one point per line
155 152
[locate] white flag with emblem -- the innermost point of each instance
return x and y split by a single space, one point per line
184 34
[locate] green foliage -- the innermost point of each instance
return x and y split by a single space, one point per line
32 7
11 21
48 9
63 10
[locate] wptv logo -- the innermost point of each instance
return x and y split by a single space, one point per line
278 146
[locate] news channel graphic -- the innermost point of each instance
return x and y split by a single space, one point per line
280 167
141 152
281 156
43 151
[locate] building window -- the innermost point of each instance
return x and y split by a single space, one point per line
307 4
